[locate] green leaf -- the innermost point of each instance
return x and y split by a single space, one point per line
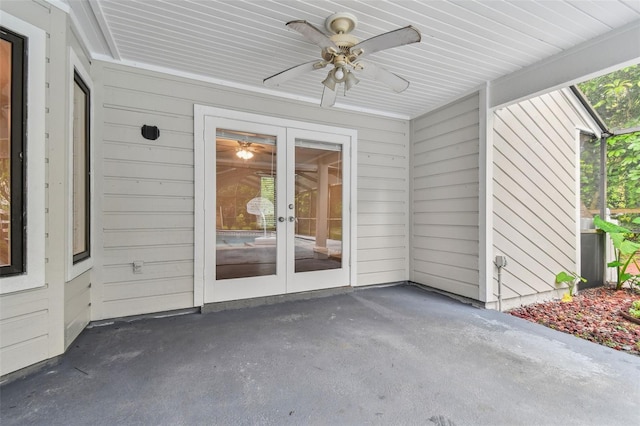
636 220
628 247
617 240
564 277
623 277
609 227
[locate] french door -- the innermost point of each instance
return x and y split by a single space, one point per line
275 213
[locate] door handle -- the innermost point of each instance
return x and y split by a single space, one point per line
281 219
292 219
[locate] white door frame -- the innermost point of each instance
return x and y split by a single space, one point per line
205 116
247 287
315 280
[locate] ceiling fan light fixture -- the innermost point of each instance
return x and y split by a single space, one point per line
244 154
330 82
338 74
350 80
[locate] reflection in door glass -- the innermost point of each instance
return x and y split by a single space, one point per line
5 152
245 204
318 201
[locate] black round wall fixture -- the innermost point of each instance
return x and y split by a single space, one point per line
150 132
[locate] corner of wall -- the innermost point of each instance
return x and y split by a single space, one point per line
57 132
96 72
485 257
410 224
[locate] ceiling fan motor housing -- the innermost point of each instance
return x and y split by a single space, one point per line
341 23
344 41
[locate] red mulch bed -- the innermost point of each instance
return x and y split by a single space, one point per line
593 314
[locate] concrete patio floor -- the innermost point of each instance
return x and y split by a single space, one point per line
388 355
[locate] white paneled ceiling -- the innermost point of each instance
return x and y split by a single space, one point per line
240 42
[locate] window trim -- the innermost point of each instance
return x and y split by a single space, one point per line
86 253
79 264
17 148
35 44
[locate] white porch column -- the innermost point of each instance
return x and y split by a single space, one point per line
322 208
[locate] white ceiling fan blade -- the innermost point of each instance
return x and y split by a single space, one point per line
288 74
312 34
370 70
328 97
399 37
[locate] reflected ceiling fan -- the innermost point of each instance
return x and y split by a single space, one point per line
243 150
244 144
344 52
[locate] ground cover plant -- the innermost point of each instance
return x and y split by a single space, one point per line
594 314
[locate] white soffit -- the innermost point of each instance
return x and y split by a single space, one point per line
465 44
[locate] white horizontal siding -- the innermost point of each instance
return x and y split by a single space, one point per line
445 173
24 328
77 306
31 321
534 193
148 186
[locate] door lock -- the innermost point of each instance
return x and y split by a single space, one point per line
281 219
292 219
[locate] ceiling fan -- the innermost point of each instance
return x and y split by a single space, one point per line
245 145
344 52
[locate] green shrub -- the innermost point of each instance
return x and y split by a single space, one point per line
625 250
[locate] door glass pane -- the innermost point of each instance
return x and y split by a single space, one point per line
245 204
318 206
5 152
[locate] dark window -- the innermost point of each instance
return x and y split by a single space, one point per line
12 143
81 170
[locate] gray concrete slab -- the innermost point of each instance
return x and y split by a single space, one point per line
394 355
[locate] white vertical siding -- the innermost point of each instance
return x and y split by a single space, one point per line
445 208
148 186
534 194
